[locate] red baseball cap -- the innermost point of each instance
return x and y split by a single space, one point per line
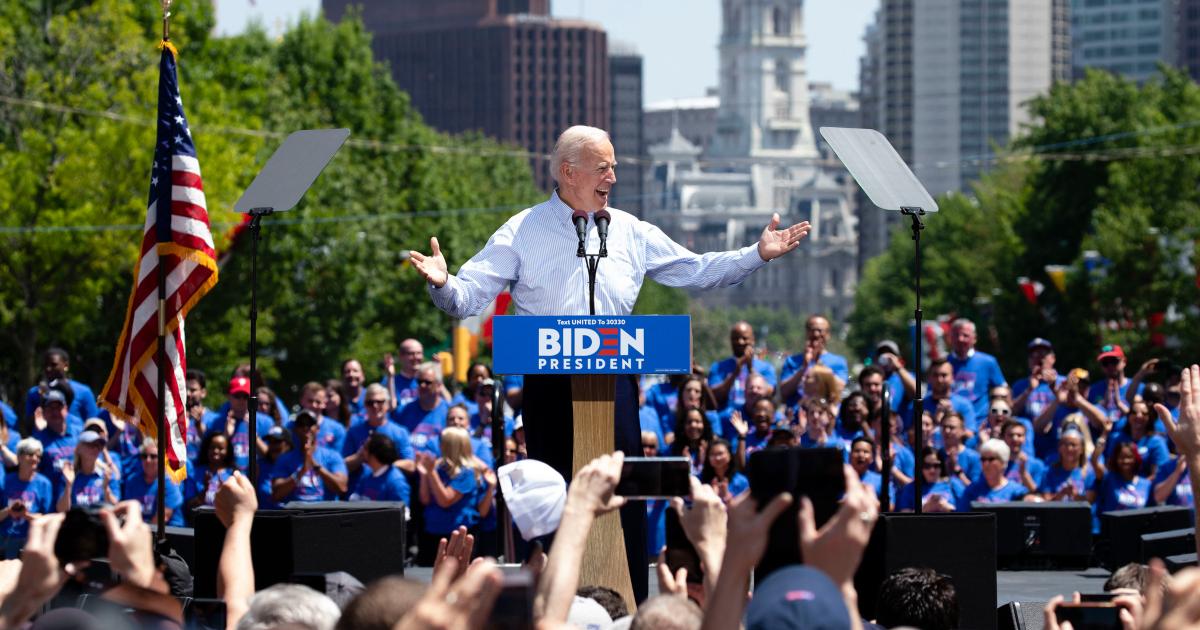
1112 351
239 385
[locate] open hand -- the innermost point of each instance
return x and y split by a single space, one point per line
130 545
433 266
235 499
593 487
1185 433
775 242
459 547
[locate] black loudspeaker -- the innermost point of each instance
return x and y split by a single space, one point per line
1021 616
1041 535
1123 530
1168 543
1180 562
364 539
960 545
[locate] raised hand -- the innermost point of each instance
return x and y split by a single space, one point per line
739 424
459 547
1185 433
433 266
68 473
775 242
594 485
235 499
130 544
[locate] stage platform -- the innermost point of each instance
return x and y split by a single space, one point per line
1036 586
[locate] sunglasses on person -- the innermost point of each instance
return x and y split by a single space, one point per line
1000 411
427 382
149 456
989 458
931 465
376 402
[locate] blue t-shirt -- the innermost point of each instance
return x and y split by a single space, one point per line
874 481
56 450
1181 494
443 520
223 411
968 461
974 377
662 398
389 485
831 441
974 441
756 442
794 363
240 440
509 425
511 382
1056 478
1152 448
737 393
1034 466
311 487
1097 394
902 458
137 489
83 405
424 427
459 398
10 416
981 492
656 526
1116 494
406 389
330 433
1039 399
200 483
38 496
88 489
648 420
265 502
951 490
358 435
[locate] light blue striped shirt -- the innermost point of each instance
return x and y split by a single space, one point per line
535 252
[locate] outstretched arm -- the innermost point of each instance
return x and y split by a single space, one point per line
479 279
674 265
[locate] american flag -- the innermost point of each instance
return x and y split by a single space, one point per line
176 237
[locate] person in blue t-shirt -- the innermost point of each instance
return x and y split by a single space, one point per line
1110 392
353 387
214 466
861 456
331 434
87 480
481 448
993 486
852 416
1138 428
1121 487
721 471
143 488
476 374
964 464
481 418
448 487
728 378
903 460
1172 486
819 431
1036 392
664 396
354 448
975 372
939 493
310 472
791 376
1000 413
1023 467
424 417
8 415
942 398
695 394
900 382
382 480
279 441
58 439
692 437
56 368
1069 478
403 382
656 524
25 493
235 422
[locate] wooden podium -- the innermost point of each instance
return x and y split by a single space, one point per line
593 350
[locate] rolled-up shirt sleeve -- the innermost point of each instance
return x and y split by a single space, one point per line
481 278
674 265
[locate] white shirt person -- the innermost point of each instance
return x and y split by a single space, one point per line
535 251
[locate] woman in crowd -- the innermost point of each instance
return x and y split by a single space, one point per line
269 406
693 394
693 433
721 471
1138 429
1069 478
999 412
477 373
939 493
337 403
819 432
1172 485
143 487
903 461
459 416
487 541
213 468
993 485
88 480
862 455
852 418
448 487
1121 487
26 493
820 384
384 482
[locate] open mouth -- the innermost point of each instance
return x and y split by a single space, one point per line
603 194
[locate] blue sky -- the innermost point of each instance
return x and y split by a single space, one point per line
677 38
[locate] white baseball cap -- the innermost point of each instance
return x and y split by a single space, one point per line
535 494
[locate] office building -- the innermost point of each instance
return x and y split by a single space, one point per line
626 125
1126 38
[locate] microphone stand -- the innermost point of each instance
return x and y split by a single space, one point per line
593 262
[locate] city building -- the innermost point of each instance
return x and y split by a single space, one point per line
694 118
505 68
1187 37
1123 37
626 125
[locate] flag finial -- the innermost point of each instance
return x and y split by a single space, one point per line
166 6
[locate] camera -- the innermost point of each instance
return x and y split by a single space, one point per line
82 537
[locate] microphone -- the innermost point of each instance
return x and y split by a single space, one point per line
580 219
602 218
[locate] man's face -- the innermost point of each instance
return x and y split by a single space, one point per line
427 386
1014 437
352 374
412 355
817 330
1113 367
376 405
195 393
55 367
314 401
872 386
301 434
1041 358
963 339
457 417
952 431
741 336
238 403
940 380
54 412
483 397
587 184
762 415
756 389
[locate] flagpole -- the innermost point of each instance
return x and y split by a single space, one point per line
161 499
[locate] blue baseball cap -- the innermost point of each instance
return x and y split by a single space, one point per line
1039 342
797 597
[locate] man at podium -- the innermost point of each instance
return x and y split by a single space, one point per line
536 253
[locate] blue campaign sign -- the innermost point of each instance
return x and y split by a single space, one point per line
586 344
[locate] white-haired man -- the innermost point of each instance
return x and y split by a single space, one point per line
535 253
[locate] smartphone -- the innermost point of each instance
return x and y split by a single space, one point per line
815 473
82 536
1097 597
681 554
514 605
655 478
205 614
1090 615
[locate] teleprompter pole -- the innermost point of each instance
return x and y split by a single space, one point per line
256 215
918 402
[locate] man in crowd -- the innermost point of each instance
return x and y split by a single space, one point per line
1108 393
1035 392
309 472
796 366
56 366
198 415
757 388
412 355
942 397
354 449
58 438
975 372
236 424
870 382
330 433
728 378
900 382
424 417
352 384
